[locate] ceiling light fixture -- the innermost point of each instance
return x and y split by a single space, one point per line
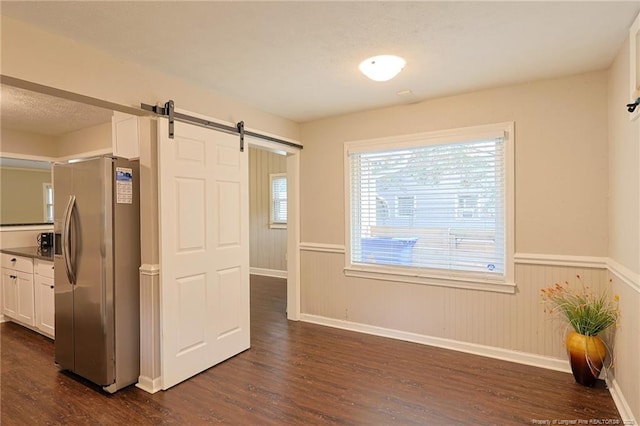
382 68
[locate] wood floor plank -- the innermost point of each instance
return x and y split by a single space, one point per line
299 373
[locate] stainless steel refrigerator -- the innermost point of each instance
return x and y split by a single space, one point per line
97 258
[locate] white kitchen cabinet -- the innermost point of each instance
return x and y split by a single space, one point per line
45 302
17 289
125 134
9 295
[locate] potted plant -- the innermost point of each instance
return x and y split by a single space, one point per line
589 313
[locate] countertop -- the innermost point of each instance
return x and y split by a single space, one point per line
32 252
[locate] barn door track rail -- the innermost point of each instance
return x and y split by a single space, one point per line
168 110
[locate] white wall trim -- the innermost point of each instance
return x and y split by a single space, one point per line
520 258
149 269
96 153
561 260
472 348
20 228
149 378
268 272
149 385
413 276
621 403
28 157
323 248
625 274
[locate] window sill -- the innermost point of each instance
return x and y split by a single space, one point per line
413 277
277 226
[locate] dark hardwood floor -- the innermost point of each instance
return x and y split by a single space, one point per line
298 373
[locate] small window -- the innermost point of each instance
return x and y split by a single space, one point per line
47 194
467 206
278 202
406 205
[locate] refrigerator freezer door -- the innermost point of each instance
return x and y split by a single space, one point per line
63 184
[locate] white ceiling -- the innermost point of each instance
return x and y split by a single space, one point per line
32 112
300 59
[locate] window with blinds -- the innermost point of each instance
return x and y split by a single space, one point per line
278 204
47 195
436 203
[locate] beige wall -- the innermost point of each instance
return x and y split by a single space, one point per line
624 170
90 140
561 210
624 227
21 192
20 144
81 69
268 247
26 144
561 159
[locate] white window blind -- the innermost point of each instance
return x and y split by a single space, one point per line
278 211
449 205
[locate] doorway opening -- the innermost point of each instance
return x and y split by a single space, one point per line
273 218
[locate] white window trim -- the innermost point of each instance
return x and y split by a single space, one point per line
272 223
445 278
45 187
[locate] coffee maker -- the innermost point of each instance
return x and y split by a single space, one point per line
45 241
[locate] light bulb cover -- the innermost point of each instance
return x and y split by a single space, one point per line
382 67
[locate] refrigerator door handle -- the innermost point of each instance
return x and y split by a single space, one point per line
66 239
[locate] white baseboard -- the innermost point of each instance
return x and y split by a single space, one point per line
621 403
149 385
268 272
472 348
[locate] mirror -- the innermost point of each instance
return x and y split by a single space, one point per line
38 129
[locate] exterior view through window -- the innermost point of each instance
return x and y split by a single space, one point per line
430 204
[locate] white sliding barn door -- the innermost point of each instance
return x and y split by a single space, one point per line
204 250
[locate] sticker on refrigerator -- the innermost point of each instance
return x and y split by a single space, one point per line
124 185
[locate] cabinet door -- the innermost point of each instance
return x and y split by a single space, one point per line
45 318
26 309
125 131
9 295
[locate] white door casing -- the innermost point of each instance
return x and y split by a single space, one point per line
204 250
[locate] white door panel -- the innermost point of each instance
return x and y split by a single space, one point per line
204 253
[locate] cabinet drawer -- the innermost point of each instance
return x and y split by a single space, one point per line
43 268
18 263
